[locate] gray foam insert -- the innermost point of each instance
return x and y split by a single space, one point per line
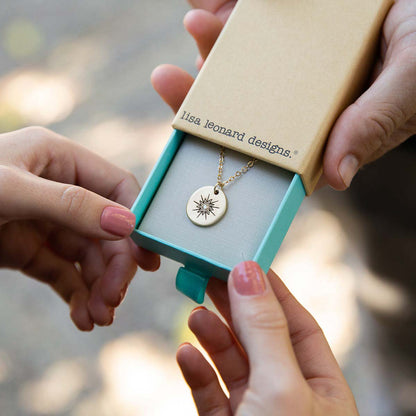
253 201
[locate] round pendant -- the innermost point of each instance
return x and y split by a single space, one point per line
206 206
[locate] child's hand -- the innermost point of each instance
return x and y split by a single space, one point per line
59 224
273 360
380 120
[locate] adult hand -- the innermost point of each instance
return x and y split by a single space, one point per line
382 118
64 221
273 357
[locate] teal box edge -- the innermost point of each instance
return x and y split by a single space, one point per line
192 279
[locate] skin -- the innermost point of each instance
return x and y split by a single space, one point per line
52 195
382 118
270 353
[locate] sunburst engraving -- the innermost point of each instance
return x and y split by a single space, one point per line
205 207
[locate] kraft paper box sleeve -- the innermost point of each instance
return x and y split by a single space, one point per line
280 74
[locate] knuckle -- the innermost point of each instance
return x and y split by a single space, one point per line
74 199
132 179
267 320
377 125
38 132
387 119
253 403
286 395
383 122
313 330
6 175
126 189
40 136
8 181
283 395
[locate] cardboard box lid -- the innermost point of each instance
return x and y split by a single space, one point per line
279 76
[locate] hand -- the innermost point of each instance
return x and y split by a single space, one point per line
273 357
382 118
59 224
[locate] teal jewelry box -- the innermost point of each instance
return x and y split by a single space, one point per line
262 204
274 84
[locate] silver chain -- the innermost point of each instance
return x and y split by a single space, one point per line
242 171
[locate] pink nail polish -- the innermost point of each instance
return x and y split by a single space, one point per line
184 344
248 279
199 308
118 221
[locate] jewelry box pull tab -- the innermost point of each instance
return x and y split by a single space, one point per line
191 284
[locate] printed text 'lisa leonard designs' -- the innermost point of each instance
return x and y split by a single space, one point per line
268 146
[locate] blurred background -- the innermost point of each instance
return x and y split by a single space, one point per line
82 68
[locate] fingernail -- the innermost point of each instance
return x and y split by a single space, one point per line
123 293
112 316
248 279
199 308
348 168
118 221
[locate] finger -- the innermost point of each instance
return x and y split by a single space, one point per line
64 279
172 84
210 5
52 156
225 352
221 8
209 398
218 292
199 62
88 253
145 259
205 28
70 206
262 328
109 290
313 353
75 248
121 268
101 314
19 242
373 124
67 244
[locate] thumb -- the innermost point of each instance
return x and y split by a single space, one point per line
262 328
26 196
371 126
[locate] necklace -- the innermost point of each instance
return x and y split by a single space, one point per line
207 205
